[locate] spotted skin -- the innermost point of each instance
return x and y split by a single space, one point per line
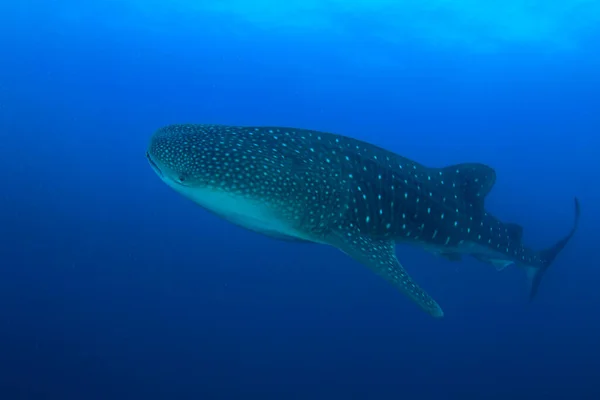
303 185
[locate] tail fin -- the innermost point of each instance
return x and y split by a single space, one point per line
548 255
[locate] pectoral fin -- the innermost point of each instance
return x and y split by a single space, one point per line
379 255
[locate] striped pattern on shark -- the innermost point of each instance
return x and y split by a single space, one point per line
310 186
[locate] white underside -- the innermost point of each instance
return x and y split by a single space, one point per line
240 211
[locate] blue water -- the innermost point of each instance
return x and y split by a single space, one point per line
112 286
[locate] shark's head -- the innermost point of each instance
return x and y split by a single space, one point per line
178 154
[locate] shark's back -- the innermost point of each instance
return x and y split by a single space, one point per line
379 192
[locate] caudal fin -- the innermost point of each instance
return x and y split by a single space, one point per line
548 255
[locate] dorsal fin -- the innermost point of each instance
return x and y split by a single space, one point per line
515 232
474 181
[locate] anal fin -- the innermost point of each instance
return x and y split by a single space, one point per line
499 264
380 256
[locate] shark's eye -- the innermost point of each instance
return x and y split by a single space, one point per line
181 178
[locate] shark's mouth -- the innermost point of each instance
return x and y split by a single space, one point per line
158 171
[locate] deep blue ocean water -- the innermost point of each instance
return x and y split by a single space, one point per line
112 286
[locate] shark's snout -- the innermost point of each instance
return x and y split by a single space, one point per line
153 164
179 155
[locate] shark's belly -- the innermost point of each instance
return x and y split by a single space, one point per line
468 248
251 214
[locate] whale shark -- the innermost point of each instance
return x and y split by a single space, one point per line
309 186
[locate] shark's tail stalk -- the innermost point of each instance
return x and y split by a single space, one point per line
548 255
